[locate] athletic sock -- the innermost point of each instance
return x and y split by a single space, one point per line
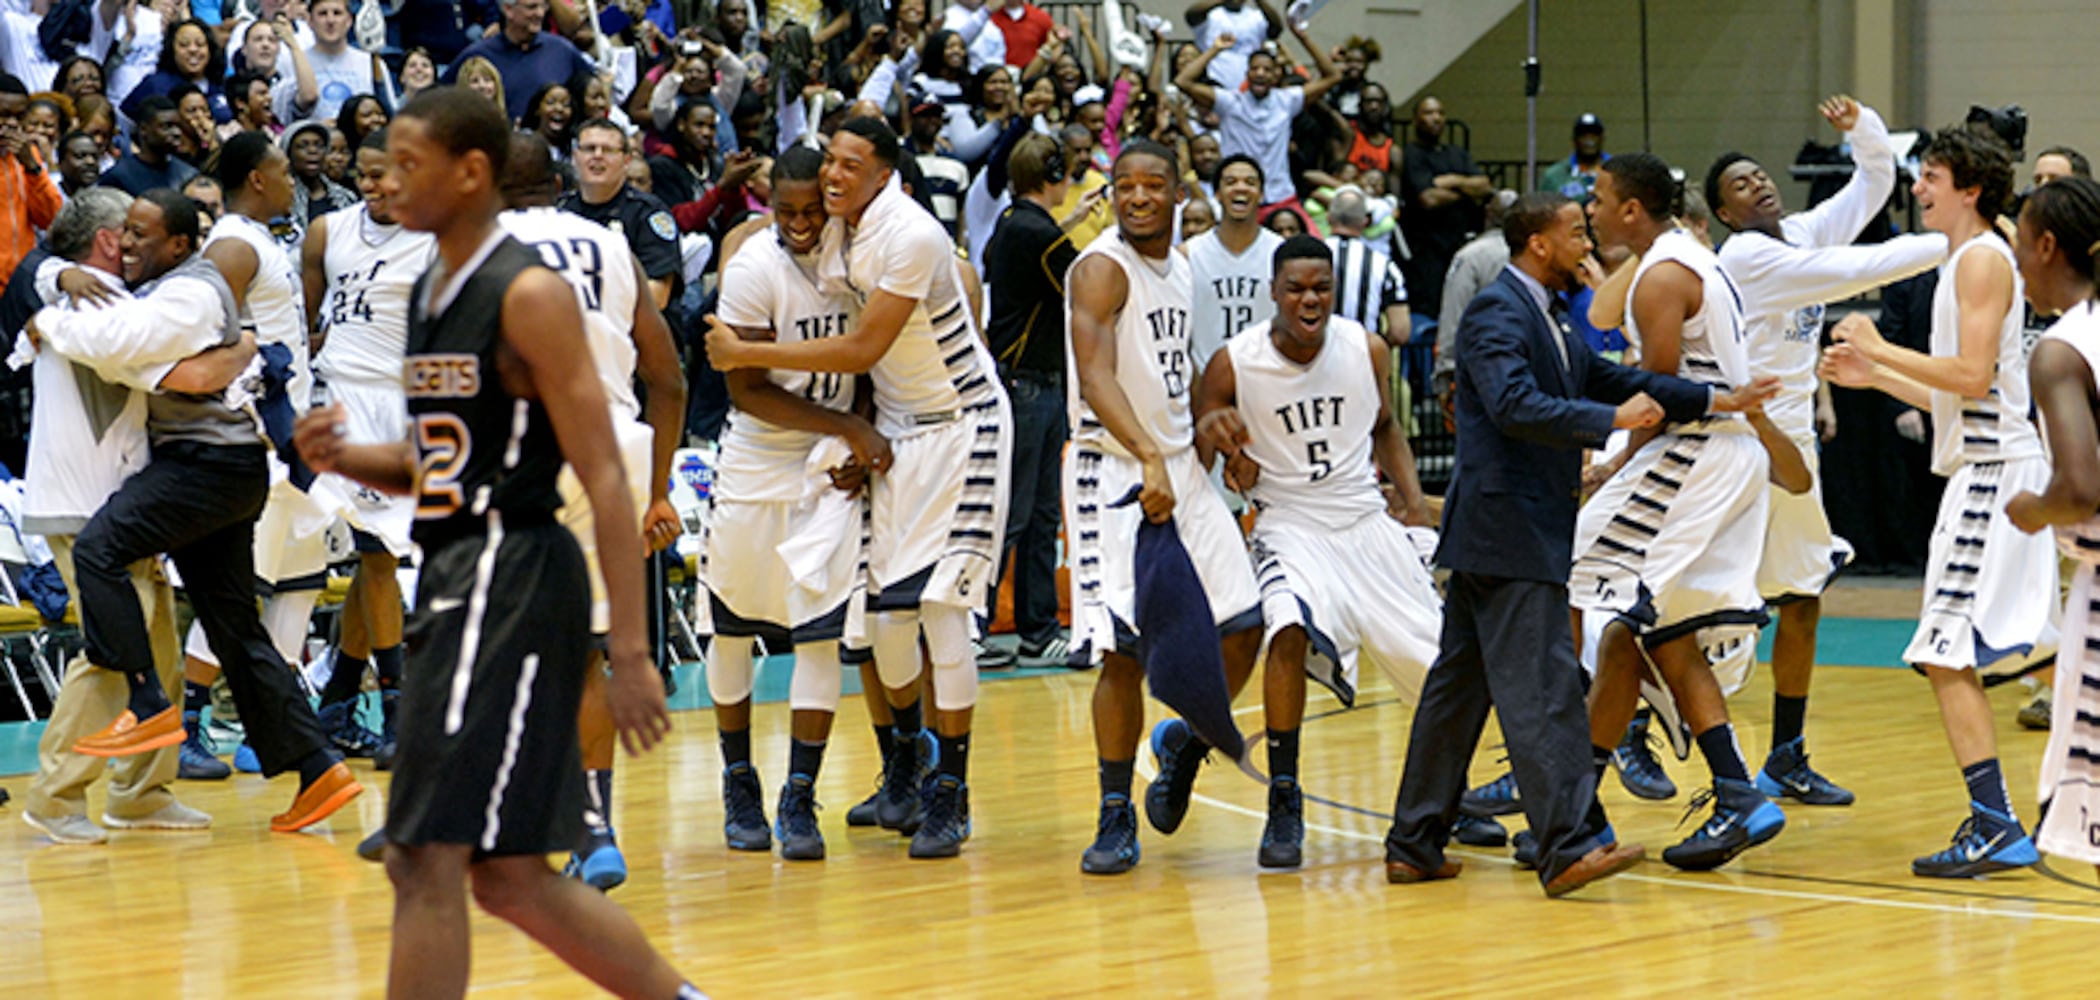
1723 757
1283 754
1638 728
805 759
1987 787
597 815
1787 716
195 697
1115 777
906 727
736 747
345 680
388 663
955 756
885 740
1600 760
147 699
314 765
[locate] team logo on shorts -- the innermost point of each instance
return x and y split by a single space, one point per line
662 225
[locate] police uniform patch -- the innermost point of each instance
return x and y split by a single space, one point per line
663 226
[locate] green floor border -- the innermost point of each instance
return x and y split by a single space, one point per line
1856 642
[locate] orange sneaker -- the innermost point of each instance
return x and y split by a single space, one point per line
330 792
127 735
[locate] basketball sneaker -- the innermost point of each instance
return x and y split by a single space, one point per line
195 762
1786 773
2035 714
795 821
905 770
1283 839
1496 798
1639 769
1524 853
245 760
601 866
350 736
1115 847
383 757
1742 819
1988 841
1178 753
743 810
946 823
1478 831
863 813
373 847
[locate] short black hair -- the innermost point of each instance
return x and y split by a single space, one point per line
74 136
243 82
1303 246
1975 160
2069 208
178 213
878 134
1148 147
2080 166
1534 213
151 106
377 140
12 84
799 163
1261 177
463 122
238 158
1713 176
528 173
1645 178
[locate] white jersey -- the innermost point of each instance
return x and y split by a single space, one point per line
1712 350
598 264
766 287
1154 365
1309 426
2079 328
1231 291
275 306
371 268
1786 282
1997 427
938 365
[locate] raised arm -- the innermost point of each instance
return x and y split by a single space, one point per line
1103 72
1784 277
1329 75
1840 218
1191 80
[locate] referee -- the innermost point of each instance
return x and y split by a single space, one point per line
1368 286
1025 264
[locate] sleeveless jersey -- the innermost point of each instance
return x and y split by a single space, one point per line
597 263
275 306
1996 427
766 287
1231 292
1309 426
1154 365
2079 327
1713 350
479 450
371 268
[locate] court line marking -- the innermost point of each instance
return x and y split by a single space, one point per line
1148 771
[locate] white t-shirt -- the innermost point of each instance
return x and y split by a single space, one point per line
765 287
339 77
987 47
22 55
1261 129
141 50
1248 29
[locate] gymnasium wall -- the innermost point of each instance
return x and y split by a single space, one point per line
2036 53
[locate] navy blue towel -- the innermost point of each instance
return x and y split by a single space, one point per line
278 415
1178 639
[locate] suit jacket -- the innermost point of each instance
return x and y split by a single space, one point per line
1524 417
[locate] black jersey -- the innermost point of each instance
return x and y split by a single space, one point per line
479 449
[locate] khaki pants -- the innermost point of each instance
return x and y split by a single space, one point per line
89 697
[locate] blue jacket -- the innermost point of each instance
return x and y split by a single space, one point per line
1523 419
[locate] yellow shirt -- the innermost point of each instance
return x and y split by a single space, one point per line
1097 221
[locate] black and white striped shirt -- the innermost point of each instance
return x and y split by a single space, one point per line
1366 281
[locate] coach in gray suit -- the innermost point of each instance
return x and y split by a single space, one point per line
1530 397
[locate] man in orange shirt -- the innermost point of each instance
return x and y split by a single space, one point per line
29 200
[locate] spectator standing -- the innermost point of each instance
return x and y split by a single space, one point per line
152 163
189 53
970 18
527 57
1025 265
1025 27
1243 24
1371 145
29 200
1474 266
341 70
604 197
1257 122
1441 191
314 193
1575 176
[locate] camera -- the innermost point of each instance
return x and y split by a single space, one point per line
689 48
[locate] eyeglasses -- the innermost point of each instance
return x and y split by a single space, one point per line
594 150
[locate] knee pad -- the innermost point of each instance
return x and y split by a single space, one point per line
896 641
954 669
729 669
816 684
286 617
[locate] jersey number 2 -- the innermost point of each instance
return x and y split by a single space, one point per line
443 444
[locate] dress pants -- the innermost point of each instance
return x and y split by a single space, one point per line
1036 507
198 503
89 697
1505 643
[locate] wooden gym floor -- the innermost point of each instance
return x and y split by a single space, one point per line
1828 909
